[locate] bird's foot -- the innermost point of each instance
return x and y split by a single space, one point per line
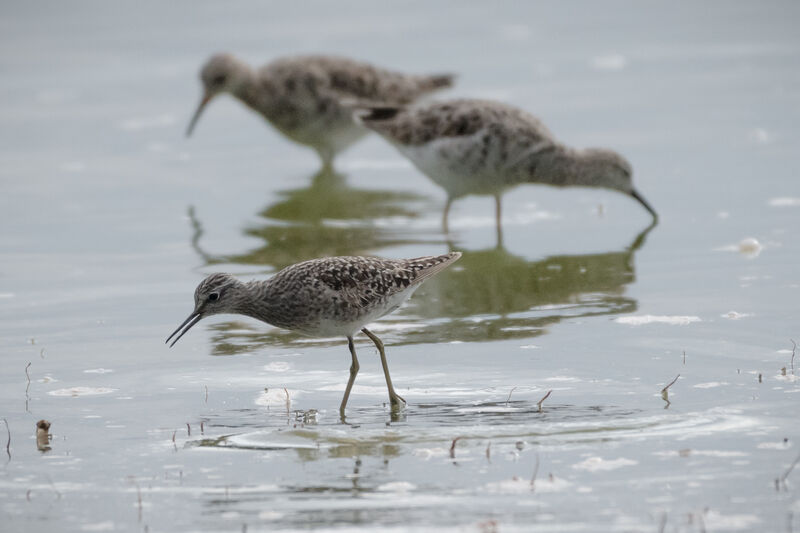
397 401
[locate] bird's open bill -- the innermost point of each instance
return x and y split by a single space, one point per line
206 99
193 319
642 201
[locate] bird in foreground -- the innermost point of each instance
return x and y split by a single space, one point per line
322 298
310 98
485 147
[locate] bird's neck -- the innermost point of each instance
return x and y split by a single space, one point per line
247 89
561 166
259 302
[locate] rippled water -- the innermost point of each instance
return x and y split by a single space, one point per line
110 218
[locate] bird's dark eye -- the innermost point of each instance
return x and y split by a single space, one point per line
213 297
218 80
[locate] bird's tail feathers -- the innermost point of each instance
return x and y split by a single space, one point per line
432 265
438 81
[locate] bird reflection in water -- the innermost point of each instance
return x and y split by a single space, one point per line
327 218
492 295
496 295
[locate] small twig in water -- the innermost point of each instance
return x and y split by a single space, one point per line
206 386
453 448
759 377
173 436
27 376
188 429
202 431
138 496
663 523
684 361
8 443
784 477
535 472
794 348
665 390
288 401
53 485
509 395
539 403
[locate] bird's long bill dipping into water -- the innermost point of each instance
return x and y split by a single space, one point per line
322 298
310 98
485 147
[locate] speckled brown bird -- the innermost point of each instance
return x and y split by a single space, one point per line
310 98
485 147
322 297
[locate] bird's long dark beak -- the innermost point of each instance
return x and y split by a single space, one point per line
642 201
193 319
206 99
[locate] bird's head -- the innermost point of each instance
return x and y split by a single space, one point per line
612 171
221 73
214 295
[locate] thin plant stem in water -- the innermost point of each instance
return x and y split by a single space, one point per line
663 523
539 403
509 395
453 448
782 480
8 442
665 391
794 348
535 472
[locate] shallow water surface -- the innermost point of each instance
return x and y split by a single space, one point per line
533 368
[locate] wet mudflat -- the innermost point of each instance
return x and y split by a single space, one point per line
110 218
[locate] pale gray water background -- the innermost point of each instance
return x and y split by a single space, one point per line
97 267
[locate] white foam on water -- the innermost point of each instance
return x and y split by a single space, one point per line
784 201
598 464
428 453
760 136
519 485
674 320
397 486
81 391
734 315
715 521
277 366
276 396
609 62
781 445
108 525
748 247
